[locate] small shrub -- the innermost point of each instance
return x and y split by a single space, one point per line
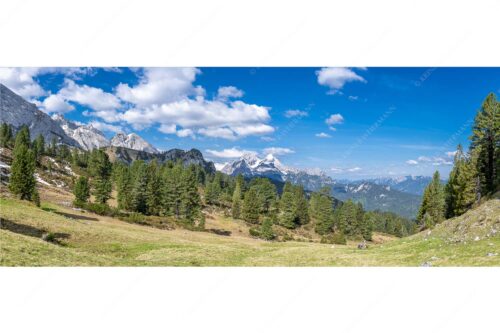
254 232
336 238
49 237
99 209
136 218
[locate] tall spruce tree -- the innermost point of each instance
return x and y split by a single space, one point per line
139 187
81 191
322 211
39 147
300 205
236 204
190 198
5 135
460 191
432 208
100 169
123 187
486 140
287 216
250 209
22 180
154 189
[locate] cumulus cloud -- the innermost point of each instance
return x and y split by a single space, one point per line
57 104
278 151
21 81
229 92
106 127
447 159
323 135
334 119
230 153
295 113
336 77
411 162
212 118
160 85
94 98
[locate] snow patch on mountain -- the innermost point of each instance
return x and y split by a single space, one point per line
87 136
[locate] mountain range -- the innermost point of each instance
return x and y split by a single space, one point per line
401 195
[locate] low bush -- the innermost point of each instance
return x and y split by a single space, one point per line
336 238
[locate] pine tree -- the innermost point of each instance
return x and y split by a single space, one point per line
81 191
486 139
5 135
39 147
172 190
300 205
23 136
460 191
139 187
154 196
22 181
287 216
236 204
322 211
250 209
100 169
433 203
124 187
190 198
266 230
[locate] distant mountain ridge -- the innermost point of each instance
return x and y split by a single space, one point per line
87 136
132 141
399 195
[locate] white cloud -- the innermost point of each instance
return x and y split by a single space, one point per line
21 81
230 153
106 127
225 93
183 133
278 151
336 77
212 118
267 138
94 98
55 103
295 113
451 153
168 128
160 85
353 98
323 135
111 116
333 120
411 162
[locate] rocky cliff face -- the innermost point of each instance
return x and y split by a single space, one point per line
132 141
16 111
193 156
87 136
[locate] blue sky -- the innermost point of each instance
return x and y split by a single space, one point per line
349 122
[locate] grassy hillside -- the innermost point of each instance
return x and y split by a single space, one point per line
85 239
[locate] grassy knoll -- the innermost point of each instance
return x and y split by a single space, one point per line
85 239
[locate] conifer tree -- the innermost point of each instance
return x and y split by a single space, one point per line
139 187
287 216
486 139
300 205
124 187
236 204
154 189
22 181
100 169
172 189
190 198
250 209
433 203
322 211
81 191
39 147
460 191
5 135
266 230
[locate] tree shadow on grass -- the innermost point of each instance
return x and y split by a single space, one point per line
28 230
220 232
75 216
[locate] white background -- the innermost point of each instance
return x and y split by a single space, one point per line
255 33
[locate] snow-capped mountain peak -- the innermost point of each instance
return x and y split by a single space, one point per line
132 141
